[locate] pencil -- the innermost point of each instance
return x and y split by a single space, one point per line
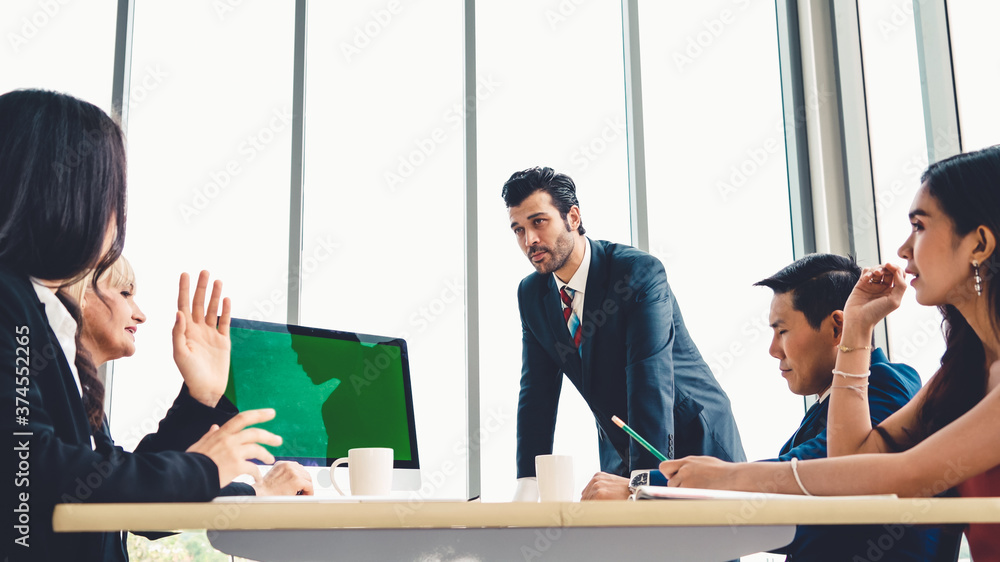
636 436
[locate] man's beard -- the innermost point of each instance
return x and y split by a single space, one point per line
559 254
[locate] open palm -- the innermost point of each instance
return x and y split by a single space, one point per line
201 340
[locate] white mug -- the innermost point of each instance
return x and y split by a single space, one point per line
555 478
369 469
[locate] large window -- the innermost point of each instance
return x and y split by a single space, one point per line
383 245
61 46
555 98
209 152
976 59
384 228
718 193
899 156
210 148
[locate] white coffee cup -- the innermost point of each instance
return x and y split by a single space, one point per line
369 469
555 478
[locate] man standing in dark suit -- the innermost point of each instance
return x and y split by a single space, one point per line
603 314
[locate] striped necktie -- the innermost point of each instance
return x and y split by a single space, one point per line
572 320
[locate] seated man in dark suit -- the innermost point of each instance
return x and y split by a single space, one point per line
603 314
807 318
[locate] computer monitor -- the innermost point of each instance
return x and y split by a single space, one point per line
332 391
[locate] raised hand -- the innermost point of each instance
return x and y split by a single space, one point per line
231 446
286 478
201 340
878 292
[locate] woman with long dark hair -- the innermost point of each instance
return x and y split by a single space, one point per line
949 434
62 216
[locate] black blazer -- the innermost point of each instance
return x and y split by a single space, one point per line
48 458
638 362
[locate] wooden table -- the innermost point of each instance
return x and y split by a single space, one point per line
311 529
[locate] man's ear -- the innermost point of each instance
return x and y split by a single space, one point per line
837 317
573 218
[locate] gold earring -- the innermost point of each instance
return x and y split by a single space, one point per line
977 278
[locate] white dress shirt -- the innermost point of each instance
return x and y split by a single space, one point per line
63 324
579 281
64 327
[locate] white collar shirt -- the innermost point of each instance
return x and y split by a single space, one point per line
824 396
64 327
579 281
62 324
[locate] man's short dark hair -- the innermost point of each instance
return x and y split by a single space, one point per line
560 187
819 283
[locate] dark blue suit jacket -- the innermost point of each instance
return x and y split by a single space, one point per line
891 385
60 465
636 361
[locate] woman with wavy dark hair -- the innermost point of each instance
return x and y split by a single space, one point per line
62 216
949 434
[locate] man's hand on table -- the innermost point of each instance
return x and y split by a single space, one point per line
604 486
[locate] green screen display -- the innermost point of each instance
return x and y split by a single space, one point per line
331 391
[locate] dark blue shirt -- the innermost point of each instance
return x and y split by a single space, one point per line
891 385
